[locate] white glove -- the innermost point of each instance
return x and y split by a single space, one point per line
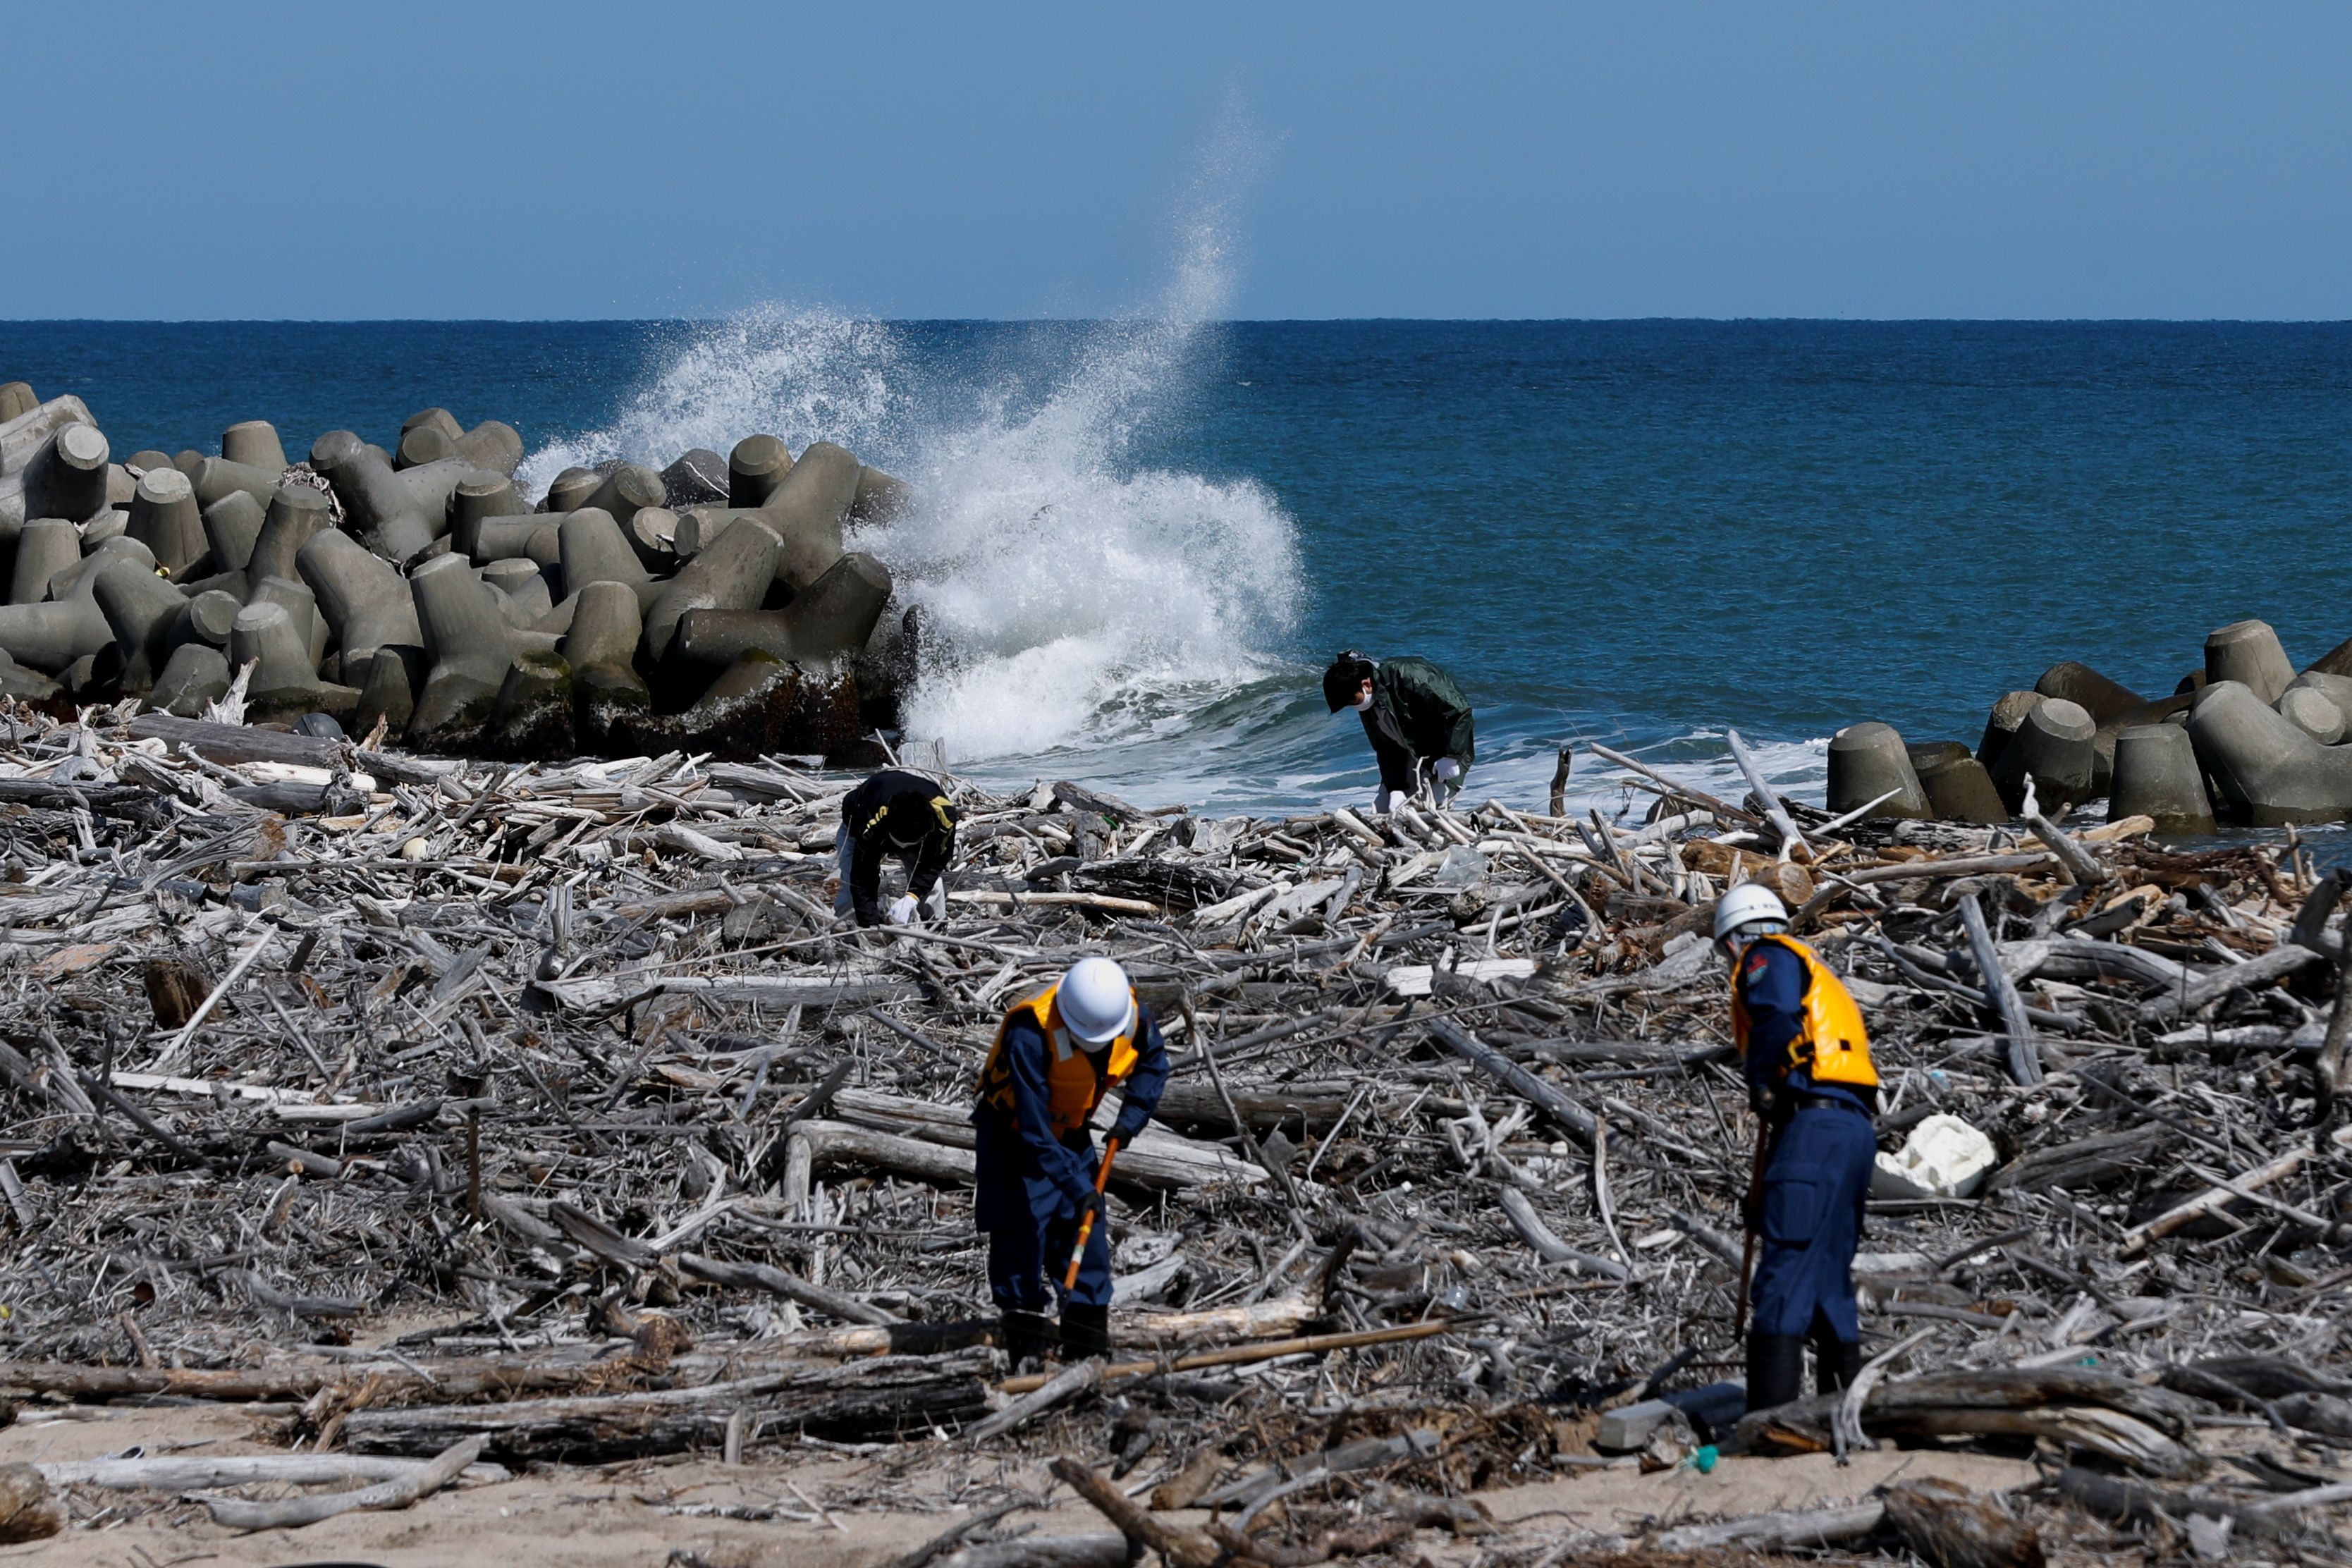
1445 770
1387 800
902 908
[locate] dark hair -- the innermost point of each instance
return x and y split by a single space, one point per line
1344 680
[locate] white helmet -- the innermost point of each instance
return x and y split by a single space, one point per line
1748 904
1096 1002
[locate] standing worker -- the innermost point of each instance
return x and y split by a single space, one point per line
901 813
1814 1091
1056 1054
1416 718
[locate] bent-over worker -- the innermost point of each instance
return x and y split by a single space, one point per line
1416 718
1056 1054
1813 1090
901 813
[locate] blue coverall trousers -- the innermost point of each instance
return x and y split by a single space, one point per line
1815 1183
1031 1227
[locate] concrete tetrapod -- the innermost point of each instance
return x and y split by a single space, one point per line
16 400
469 645
2055 744
571 490
2078 683
653 534
297 515
48 546
166 519
2001 724
395 514
482 495
718 637
2312 713
25 433
195 676
2267 773
207 618
232 525
834 616
808 511
879 498
532 718
2336 689
53 636
107 524
437 419
2157 775
593 550
732 573
140 609
600 646
628 490
700 477
493 444
217 476
754 468
1866 761
284 684
301 606
2248 652
503 536
522 590
365 603
426 444
255 444
66 477
75 579
387 691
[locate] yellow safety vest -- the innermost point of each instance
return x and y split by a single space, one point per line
1077 1075
1832 1044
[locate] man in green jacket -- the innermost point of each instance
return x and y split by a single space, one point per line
1416 718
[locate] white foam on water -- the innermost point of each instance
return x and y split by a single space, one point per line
802 374
1072 597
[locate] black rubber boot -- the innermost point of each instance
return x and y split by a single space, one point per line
1776 1369
1835 1363
1027 1338
1086 1332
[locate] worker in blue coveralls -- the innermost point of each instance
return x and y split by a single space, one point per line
1056 1054
1813 1090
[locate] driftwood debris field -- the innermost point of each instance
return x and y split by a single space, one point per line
459 1119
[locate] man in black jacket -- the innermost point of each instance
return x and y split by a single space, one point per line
901 813
1416 718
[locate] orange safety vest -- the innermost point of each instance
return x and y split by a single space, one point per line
1077 1075
1832 1044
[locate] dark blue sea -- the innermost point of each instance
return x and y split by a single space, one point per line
1140 541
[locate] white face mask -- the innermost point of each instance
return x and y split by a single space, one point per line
1364 703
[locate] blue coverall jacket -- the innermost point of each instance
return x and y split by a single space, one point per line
1817 1171
1032 1185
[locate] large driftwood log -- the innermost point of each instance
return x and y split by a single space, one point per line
1764 1532
1554 1103
933 1144
286 1513
880 1398
1952 1526
2144 1428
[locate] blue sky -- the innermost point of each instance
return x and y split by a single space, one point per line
594 160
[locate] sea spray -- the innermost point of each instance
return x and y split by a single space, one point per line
802 374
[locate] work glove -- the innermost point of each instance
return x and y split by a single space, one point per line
1763 1100
902 908
1387 800
1445 770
